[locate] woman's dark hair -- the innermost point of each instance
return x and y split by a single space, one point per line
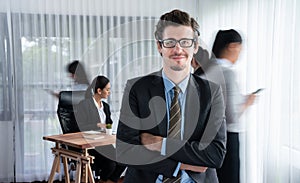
99 82
77 69
223 38
176 18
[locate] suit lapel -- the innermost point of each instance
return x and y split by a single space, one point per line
159 108
192 108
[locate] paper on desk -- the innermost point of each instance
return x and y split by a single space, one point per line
93 136
92 132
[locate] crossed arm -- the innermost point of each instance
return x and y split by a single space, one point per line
154 143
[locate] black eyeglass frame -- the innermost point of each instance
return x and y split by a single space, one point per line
177 41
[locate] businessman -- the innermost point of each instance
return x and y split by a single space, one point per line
172 123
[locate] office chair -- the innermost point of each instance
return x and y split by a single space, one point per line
66 110
68 100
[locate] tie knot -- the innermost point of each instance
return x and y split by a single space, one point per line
176 90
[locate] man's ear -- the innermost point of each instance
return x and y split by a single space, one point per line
196 46
159 47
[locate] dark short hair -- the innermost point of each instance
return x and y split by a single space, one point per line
71 68
76 68
175 18
223 38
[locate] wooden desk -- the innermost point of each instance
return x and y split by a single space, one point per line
84 160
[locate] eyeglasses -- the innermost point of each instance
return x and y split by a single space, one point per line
171 43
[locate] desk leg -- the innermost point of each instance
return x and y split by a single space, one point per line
78 171
54 168
90 174
84 172
65 162
85 167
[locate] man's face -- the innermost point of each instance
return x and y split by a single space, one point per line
177 58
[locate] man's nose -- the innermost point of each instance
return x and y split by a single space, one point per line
177 47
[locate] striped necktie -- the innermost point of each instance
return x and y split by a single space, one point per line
174 127
175 116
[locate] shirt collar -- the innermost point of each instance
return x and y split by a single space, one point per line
96 104
169 85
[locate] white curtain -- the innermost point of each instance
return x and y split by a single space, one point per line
115 38
270 59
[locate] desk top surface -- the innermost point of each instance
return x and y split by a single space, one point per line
83 140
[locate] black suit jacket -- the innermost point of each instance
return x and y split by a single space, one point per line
144 110
87 115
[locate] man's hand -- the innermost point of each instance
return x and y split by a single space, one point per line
151 142
193 168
